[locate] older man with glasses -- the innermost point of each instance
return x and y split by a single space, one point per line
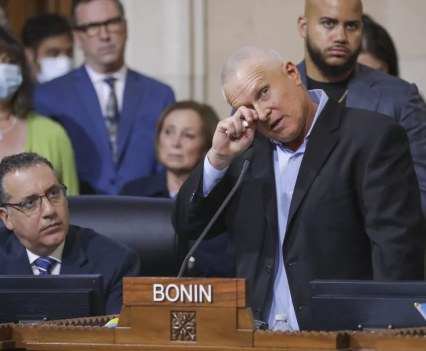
34 207
108 110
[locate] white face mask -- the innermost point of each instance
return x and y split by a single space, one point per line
10 80
53 67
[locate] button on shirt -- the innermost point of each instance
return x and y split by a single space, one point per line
286 168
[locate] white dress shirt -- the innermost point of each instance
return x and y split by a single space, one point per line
102 88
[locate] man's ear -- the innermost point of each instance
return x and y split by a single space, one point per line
302 24
4 215
291 71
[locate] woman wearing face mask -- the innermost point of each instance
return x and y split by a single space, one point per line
20 128
184 134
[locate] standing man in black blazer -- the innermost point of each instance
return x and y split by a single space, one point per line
33 205
330 192
332 31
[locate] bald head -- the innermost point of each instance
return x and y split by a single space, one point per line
332 30
311 5
250 54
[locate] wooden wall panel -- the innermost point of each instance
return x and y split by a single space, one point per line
18 11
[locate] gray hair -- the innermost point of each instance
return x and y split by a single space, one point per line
259 54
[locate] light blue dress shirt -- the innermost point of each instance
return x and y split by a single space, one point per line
286 168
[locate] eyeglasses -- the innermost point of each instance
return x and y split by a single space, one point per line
31 205
92 29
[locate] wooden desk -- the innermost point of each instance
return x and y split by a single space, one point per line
192 314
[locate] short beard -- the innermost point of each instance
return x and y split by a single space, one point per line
330 70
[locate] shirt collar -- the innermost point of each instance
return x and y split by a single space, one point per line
56 254
319 97
96 77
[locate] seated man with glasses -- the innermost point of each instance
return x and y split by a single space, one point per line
108 110
34 207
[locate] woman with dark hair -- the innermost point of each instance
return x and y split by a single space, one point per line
377 48
184 135
20 128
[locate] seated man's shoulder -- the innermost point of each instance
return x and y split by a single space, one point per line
7 243
93 241
102 255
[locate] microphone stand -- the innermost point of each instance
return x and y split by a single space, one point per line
214 218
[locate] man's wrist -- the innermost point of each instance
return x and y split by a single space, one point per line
217 161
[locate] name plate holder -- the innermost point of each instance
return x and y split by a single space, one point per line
185 311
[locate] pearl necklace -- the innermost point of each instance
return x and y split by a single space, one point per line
3 132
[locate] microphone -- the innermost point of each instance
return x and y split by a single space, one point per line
194 247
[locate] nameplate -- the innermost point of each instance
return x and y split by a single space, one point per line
208 292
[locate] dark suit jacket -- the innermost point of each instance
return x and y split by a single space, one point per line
151 186
373 90
355 211
85 252
72 101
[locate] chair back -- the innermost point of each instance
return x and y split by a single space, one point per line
141 223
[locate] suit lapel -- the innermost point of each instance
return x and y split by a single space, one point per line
73 256
263 168
132 100
360 92
91 113
322 140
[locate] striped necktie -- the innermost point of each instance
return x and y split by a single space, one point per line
111 116
44 265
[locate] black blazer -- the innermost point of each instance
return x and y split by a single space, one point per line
355 212
85 252
373 90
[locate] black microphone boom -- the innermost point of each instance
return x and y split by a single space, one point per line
246 163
